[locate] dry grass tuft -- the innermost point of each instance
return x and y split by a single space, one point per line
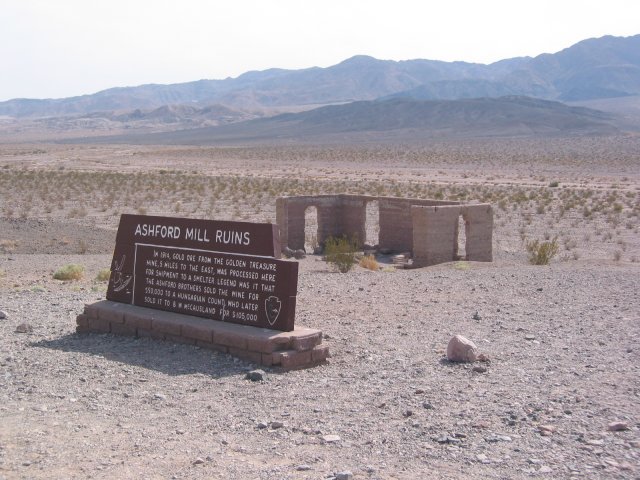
370 263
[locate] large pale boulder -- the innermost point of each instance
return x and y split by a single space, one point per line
461 349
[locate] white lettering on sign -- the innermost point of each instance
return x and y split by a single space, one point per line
162 231
233 237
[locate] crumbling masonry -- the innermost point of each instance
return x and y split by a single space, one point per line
428 229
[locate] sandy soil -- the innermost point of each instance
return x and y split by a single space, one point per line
562 339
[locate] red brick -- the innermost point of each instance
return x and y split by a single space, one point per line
306 342
180 339
165 325
269 342
91 311
111 313
99 325
138 320
255 357
230 339
319 354
267 359
197 332
123 329
294 359
212 346
82 320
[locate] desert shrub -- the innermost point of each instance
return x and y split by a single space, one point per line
369 262
71 271
340 252
540 253
103 275
554 184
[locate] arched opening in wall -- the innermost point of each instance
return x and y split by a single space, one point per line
461 239
311 230
372 224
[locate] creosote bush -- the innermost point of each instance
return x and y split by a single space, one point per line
103 275
540 253
71 271
341 252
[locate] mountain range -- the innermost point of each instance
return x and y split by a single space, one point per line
592 70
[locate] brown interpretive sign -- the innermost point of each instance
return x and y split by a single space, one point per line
226 271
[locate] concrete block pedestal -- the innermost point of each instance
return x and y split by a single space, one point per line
300 348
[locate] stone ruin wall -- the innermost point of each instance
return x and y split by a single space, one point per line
428 229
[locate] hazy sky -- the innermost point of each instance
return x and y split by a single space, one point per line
60 48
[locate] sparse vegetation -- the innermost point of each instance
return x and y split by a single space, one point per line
71 271
341 253
541 253
103 275
370 263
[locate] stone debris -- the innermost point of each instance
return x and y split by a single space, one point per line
331 438
345 475
256 375
3 315
618 426
461 349
198 461
276 424
546 430
303 468
299 254
24 328
480 369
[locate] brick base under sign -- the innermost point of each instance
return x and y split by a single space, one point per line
300 348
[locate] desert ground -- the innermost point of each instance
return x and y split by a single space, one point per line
559 398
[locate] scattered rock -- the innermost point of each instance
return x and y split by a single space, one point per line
331 438
461 349
545 469
346 475
303 468
618 426
476 316
262 425
276 424
24 328
287 252
497 438
546 430
159 396
480 369
529 337
3 315
407 413
482 458
299 254
255 375
427 405
198 461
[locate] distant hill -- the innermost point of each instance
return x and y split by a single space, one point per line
399 118
606 67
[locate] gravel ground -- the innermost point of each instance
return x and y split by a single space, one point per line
564 364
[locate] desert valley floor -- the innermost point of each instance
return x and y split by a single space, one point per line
559 398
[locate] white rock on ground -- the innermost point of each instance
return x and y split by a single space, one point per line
461 349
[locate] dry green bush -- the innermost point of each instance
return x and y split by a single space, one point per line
103 275
541 253
341 252
71 271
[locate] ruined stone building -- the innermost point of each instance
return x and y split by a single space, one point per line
428 229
